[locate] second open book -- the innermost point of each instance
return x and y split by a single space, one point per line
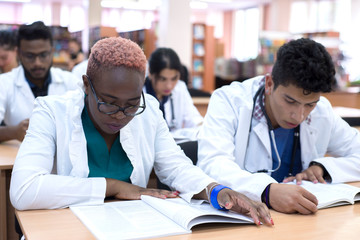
331 195
154 217
150 217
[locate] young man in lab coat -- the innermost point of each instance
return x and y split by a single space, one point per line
236 146
34 77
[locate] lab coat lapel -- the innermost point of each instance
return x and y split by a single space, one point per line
261 130
243 131
23 85
127 141
77 144
308 134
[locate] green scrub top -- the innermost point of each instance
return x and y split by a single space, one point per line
102 163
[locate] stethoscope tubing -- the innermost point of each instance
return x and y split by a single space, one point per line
172 124
260 92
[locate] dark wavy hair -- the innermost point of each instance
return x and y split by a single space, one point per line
163 58
305 64
34 31
8 39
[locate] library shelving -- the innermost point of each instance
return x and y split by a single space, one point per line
61 37
9 27
203 57
145 38
98 32
270 42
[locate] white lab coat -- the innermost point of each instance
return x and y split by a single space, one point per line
80 69
51 169
223 141
17 99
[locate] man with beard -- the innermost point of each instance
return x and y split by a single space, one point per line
33 78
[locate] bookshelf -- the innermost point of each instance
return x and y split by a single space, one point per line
203 57
270 42
145 38
9 27
61 37
98 32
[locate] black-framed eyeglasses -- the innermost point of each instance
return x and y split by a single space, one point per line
30 57
109 109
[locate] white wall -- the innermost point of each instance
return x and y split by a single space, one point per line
175 28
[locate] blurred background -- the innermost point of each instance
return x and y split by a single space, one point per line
219 41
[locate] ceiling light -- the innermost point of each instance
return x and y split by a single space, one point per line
198 5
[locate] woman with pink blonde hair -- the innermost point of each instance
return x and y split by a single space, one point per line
104 142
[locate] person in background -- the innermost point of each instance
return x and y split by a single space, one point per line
277 128
80 69
76 54
34 77
108 142
163 82
8 50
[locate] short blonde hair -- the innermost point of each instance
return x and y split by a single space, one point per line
113 52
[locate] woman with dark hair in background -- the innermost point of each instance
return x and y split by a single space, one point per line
175 101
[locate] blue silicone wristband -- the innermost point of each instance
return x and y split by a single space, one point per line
214 194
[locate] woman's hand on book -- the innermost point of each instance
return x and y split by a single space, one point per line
238 202
128 191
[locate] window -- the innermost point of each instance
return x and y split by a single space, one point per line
246 34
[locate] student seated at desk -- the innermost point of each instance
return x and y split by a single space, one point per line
163 82
34 77
270 128
83 147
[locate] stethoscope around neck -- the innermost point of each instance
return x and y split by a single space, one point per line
172 124
260 92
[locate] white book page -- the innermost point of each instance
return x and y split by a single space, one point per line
331 195
126 220
188 215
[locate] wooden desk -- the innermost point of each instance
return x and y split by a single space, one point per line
201 103
343 99
333 223
8 151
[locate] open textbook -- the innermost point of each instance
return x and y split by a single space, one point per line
331 195
150 217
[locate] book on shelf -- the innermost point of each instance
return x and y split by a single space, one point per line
151 217
198 65
331 194
199 49
199 32
197 82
